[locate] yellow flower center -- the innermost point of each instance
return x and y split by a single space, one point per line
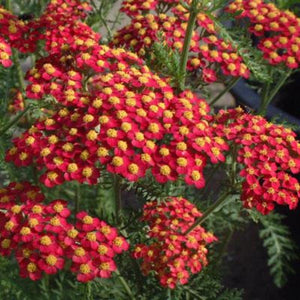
87 220
133 168
45 240
87 172
31 267
165 170
51 260
25 231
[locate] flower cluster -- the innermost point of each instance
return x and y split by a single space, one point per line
172 254
136 7
209 52
42 239
11 30
277 32
270 155
112 109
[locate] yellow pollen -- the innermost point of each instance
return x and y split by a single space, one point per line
5 244
23 156
104 266
91 236
45 240
45 152
84 269
53 139
92 135
33 222
88 118
102 249
36 88
182 146
30 140
87 172
25 231
112 133
51 260
102 152
16 208
196 175
55 221
165 170
87 220
118 242
72 233
72 168
84 155
68 147
133 168
37 209
117 161
182 162
31 267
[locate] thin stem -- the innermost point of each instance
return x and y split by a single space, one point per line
88 291
99 10
269 97
8 5
208 212
20 73
77 198
187 44
230 85
125 285
117 192
15 120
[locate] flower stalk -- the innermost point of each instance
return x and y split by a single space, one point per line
208 212
230 85
187 43
15 120
268 97
125 285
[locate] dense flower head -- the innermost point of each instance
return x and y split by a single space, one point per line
277 31
135 7
112 109
172 254
42 238
269 154
210 54
11 30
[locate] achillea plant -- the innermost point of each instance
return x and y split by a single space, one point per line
109 150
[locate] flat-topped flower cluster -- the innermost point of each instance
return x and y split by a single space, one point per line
42 239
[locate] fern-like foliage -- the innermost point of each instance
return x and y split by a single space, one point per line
166 60
280 247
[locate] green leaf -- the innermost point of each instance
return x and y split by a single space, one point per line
280 247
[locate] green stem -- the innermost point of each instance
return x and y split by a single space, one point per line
269 97
20 73
77 198
208 212
8 5
230 85
88 291
15 120
187 44
125 285
99 10
117 193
